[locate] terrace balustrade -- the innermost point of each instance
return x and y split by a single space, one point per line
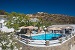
47 43
60 39
66 38
72 34
27 41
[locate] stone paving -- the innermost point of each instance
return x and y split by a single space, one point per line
73 48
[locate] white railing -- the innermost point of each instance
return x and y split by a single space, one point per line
43 42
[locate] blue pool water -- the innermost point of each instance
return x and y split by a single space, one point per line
49 36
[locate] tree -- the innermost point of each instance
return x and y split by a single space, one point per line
6 41
2 12
44 21
16 20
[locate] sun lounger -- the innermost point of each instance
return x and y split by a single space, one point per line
34 32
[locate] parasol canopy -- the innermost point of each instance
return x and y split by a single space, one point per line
55 28
28 27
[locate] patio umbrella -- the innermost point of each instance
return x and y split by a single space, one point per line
28 27
31 27
55 28
23 27
66 27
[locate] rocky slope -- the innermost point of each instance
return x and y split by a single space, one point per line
54 18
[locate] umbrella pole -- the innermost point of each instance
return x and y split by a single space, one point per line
30 34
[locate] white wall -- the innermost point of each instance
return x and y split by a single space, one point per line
4 28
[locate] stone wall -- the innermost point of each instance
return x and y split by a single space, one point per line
63 46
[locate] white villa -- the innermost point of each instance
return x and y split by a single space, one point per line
42 41
63 43
3 28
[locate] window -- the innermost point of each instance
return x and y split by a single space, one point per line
0 25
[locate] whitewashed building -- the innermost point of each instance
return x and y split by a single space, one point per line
3 28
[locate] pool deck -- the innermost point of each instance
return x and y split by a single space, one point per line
33 34
37 34
41 43
35 45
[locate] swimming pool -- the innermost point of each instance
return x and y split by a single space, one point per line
49 36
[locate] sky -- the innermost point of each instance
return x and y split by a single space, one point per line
66 7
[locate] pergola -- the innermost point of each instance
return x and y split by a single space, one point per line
54 29
60 27
68 28
29 29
